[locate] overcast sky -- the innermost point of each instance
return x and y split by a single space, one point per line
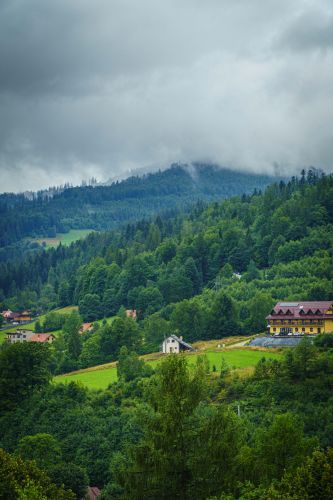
95 88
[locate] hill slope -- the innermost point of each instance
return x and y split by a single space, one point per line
180 273
108 207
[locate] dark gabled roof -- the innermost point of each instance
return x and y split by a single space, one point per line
182 342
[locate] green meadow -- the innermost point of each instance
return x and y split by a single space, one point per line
235 358
64 238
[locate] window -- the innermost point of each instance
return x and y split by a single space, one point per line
311 329
296 329
173 340
274 329
303 329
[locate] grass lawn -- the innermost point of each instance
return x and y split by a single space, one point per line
65 238
236 358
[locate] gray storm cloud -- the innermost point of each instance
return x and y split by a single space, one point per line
97 88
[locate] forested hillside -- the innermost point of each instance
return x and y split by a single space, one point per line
45 214
216 271
212 272
268 435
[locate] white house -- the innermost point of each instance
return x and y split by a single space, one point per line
175 344
20 335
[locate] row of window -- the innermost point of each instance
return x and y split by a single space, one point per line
297 330
300 322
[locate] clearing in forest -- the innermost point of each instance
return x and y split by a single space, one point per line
99 377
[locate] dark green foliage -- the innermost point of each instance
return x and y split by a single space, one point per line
310 481
122 332
164 451
324 341
23 368
38 327
70 476
130 367
23 480
183 423
43 448
223 317
72 336
53 321
90 307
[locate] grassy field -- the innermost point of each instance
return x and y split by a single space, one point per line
101 377
31 326
65 238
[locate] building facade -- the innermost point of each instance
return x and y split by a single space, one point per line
174 344
20 335
297 318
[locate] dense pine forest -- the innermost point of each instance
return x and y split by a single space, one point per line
98 207
179 430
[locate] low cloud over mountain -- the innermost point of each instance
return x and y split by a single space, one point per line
97 88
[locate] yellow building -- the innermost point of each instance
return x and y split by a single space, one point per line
301 318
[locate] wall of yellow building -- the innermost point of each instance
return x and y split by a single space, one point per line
328 325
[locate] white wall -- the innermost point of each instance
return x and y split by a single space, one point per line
170 345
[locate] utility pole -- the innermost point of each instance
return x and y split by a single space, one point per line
238 410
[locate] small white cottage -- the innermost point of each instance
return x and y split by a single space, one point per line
175 344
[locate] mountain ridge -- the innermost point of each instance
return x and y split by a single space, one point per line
109 207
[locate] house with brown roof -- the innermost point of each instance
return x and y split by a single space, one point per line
42 337
297 318
22 335
86 327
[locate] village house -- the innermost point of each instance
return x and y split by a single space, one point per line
42 337
131 313
86 327
20 335
297 318
10 316
175 344
93 493
7 315
24 317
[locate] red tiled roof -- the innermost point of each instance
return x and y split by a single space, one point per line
41 337
85 327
